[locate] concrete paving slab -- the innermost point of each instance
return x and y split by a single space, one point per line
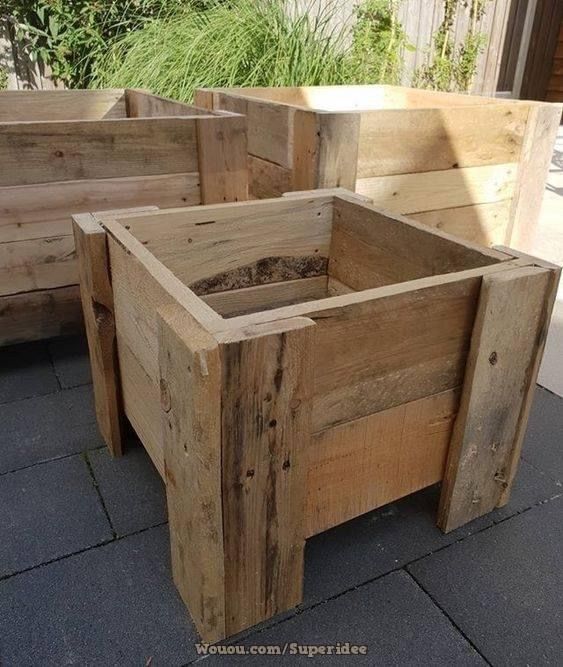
543 447
25 371
133 492
48 511
392 617
47 427
114 605
503 587
71 361
399 533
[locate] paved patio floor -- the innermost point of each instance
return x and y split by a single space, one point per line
85 573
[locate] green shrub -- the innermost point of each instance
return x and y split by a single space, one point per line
378 43
69 37
239 43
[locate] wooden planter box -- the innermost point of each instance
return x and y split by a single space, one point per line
472 166
64 152
290 364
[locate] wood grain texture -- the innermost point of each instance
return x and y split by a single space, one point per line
44 210
406 141
505 345
40 314
370 248
143 104
266 389
541 132
222 154
486 224
433 190
190 387
45 105
97 305
369 462
267 179
75 150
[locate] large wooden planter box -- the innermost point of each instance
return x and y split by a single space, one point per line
63 152
472 166
290 364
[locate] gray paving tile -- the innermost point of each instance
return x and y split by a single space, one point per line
114 605
543 445
71 361
393 617
503 587
133 492
47 427
396 534
25 370
48 511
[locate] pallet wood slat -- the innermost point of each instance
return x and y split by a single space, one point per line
509 327
76 151
412 151
292 363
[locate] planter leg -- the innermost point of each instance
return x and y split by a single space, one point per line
97 306
506 347
267 377
190 384
236 426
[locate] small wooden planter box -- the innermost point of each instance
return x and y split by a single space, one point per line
64 152
290 364
472 166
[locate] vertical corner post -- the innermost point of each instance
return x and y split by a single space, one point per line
97 304
267 375
505 352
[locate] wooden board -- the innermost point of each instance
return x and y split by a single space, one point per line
44 210
47 105
540 138
143 104
268 127
40 314
406 141
200 244
487 224
222 159
264 297
432 190
67 151
505 344
267 179
97 307
191 426
370 249
266 387
369 462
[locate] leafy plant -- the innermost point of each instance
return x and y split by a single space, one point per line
238 43
378 43
452 68
68 37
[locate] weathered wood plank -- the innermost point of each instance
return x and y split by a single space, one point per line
44 210
451 188
143 104
67 151
190 383
487 224
541 131
439 139
97 305
370 248
44 105
41 314
265 297
364 464
222 153
505 349
266 392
